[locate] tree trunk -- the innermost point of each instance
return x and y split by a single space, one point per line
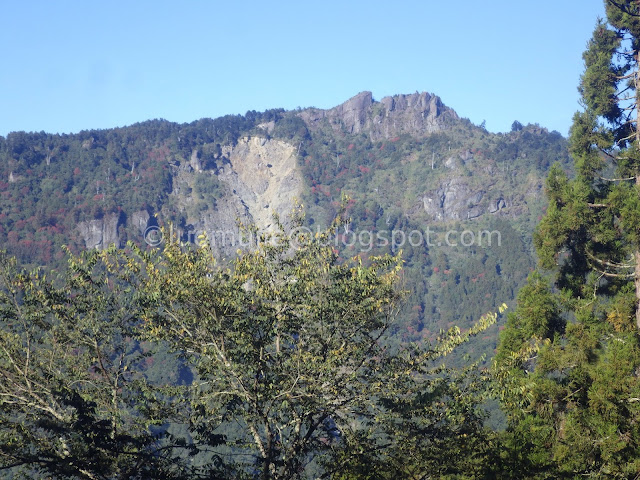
637 282
637 145
637 271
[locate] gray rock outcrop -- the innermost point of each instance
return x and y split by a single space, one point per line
455 199
140 221
416 114
100 233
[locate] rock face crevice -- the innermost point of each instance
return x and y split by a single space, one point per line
416 114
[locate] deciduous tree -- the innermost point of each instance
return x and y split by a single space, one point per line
74 399
292 346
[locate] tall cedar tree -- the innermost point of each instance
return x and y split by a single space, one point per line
570 379
592 228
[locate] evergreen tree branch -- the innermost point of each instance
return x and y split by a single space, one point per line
623 7
622 179
609 263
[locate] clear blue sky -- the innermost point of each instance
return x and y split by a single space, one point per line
74 65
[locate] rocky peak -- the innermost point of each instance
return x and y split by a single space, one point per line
415 114
353 112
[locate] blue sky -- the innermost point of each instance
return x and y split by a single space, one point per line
69 66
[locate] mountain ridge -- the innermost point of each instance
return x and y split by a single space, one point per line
416 114
407 162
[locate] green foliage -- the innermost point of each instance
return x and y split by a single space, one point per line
51 183
284 344
289 345
74 399
568 361
59 181
538 316
291 374
387 180
292 129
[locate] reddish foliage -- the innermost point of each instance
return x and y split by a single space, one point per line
159 154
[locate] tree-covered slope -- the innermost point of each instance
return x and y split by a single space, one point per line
420 180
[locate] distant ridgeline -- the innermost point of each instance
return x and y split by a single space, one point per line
420 179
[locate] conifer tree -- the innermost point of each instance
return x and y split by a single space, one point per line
569 358
592 228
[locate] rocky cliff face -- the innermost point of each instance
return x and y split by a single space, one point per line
416 114
102 232
261 178
457 199
461 195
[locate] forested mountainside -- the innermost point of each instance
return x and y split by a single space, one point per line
315 343
460 202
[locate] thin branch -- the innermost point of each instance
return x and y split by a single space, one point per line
624 77
608 263
616 179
